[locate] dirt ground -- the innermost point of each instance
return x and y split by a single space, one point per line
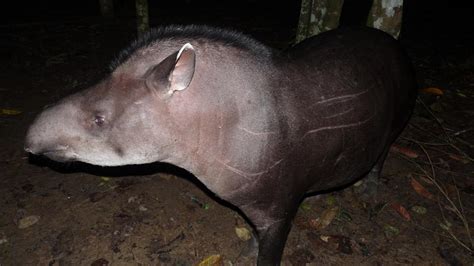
52 214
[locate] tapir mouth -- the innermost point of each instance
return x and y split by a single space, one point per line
60 153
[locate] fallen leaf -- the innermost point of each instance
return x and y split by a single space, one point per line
358 183
213 260
405 151
402 211
390 230
326 218
421 190
419 209
243 233
432 90
331 200
458 158
344 216
324 238
28 221
305 206
446 225
10 112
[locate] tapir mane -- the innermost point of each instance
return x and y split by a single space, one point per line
176 32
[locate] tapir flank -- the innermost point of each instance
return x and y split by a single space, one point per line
260 128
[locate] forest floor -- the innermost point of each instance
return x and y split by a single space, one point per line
83 216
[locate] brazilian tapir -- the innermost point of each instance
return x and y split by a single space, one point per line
260 128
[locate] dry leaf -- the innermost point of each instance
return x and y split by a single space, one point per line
243 233
419 209
402 211
458 158
305 206
331 200
421 190
28 221
433 91
213 260
405 151
10 112
390 230
324 238
326 218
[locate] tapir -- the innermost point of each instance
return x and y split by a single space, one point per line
260 128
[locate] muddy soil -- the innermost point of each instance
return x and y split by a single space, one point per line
53 214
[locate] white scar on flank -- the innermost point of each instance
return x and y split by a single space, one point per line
341 98
339 114
248 175
355 124
256 133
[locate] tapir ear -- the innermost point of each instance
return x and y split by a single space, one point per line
174 73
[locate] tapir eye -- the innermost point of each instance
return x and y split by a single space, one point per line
99 120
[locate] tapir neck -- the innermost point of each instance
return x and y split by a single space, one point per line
224 139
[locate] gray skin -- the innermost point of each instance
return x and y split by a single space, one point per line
259 128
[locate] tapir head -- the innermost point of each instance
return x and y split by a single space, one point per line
128 118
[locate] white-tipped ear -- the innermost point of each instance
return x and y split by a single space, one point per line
187 46
183 71
174 73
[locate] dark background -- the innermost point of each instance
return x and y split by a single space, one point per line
49 49
421 17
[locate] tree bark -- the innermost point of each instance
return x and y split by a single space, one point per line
107 8
386 15
143 24
303 22
317 16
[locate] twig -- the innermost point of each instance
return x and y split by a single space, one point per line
435 117
462 131
449 141
454 207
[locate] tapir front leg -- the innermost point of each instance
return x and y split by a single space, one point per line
272 223
272 242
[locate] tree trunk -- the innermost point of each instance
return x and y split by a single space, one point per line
386 15
107 8
303 22
143 24
317 16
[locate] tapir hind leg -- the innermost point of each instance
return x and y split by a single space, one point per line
368 189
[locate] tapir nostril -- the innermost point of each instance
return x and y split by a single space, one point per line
28 147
